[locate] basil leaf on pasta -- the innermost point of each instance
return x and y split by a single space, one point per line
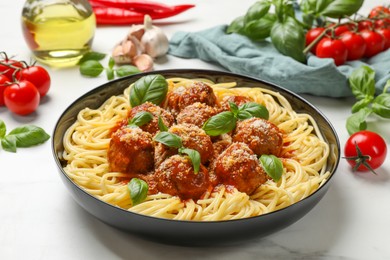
194 156
152 88
168 139
138 190
140 119
161 126
254 109
221 123
272 165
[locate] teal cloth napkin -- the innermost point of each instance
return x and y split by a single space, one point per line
238 54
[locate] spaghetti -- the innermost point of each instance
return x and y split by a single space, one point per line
304 156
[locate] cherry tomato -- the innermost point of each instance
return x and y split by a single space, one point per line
382 23
5 67
372 149
311 35
38 76
355 43
4 81
365 25
378 10
332 48
375 42
22 97
342 29
385 32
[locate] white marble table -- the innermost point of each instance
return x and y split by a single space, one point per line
40 220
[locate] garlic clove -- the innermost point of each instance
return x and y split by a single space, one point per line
143 62
137 31
138 46
120 56
154 40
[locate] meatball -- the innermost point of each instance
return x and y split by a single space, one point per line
260 135
175 176
131 150
238 166
185 96
192 137
196 114
238 100
156 111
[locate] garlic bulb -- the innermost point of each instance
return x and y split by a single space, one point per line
154 39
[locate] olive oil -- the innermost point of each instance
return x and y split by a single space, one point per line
59 33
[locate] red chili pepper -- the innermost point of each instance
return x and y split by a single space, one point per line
135 5
119 16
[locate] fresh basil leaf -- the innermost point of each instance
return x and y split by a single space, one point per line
168 139
289 38
272 165
126 70
3 129
140 119
342 8
362 82
260 29
29 135
308 6
111 63
321 5
233 108
161 126
255 110
221 123
361 104
91 68
257 10
194 156
138 190
152 88
110 74
381 105
92 56
357 121
236 26
9 143
242 115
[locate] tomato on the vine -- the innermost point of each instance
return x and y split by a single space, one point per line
332 48
365 150
375 42
38 76
4 81
8 67
385 32
378 11
365 25
21 97
355 43
312 35
382 23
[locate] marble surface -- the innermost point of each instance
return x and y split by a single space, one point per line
40 220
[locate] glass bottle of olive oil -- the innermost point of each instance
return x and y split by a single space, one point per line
59 32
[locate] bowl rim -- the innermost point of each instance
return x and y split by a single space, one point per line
195 71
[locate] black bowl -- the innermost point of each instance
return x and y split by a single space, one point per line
192 232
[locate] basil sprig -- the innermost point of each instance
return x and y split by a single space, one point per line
175 141
272 165
152 88
140 119
21 137
362 84
226 121
138 190
90 66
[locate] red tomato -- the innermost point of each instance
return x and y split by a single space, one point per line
8 67
385 32
365 25
4 81
38 76
342 29
355 43
372 147
311 35
22 97
375 42
378 10
382 23
332 48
